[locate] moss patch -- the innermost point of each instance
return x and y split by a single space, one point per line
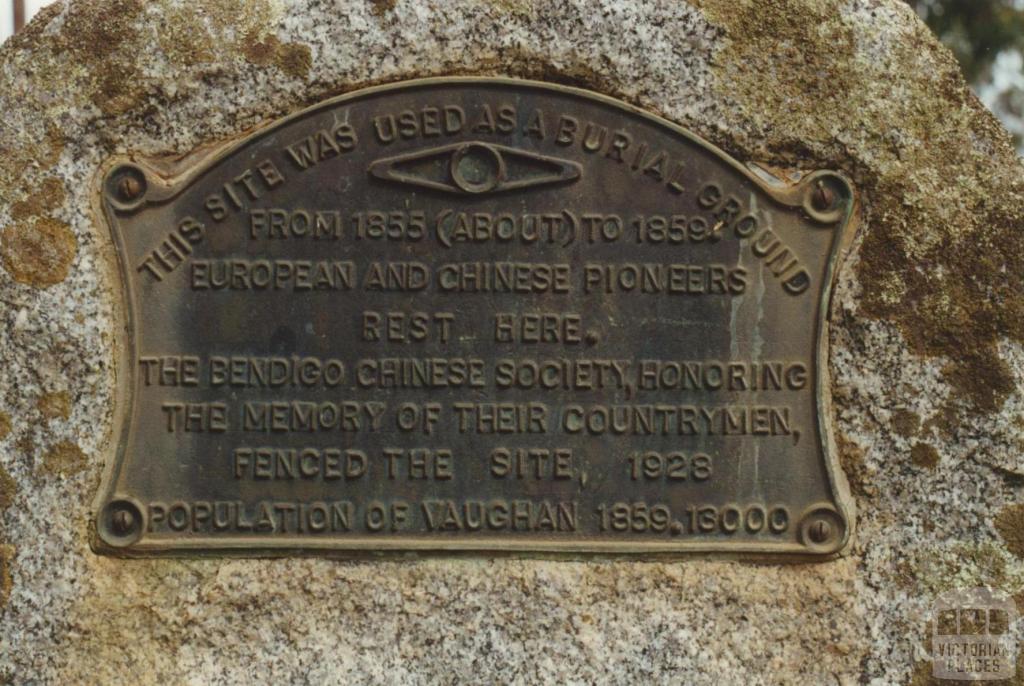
5 425
1010 525
924 455
64 459
39 253
943 251
55 405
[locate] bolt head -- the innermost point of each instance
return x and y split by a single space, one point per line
126 185
129 188
123 522
820 531
823 198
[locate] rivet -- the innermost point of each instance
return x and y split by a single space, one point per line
123 522
823 198
129 188
820 531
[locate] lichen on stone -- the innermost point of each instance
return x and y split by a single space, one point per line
924 455
1009 522
293 59
6 561
382 7
96 35
965 564
5 425
96 47
8 489
64 459
945 421
905 422
19 158
39 253
48 196
950 274
261 51
25 445
851 457
55 405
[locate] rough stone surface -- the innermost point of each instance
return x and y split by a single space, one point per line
926 351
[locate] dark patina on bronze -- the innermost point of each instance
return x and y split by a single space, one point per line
473 314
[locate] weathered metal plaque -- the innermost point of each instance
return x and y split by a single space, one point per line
473 314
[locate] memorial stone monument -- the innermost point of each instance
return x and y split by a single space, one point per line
505 342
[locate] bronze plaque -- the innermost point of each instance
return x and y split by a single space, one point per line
473 314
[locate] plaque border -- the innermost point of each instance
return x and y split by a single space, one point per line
163 179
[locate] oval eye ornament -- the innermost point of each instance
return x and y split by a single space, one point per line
473 314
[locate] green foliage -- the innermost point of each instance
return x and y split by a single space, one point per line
975 30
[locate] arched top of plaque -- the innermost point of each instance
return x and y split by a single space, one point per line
473 314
